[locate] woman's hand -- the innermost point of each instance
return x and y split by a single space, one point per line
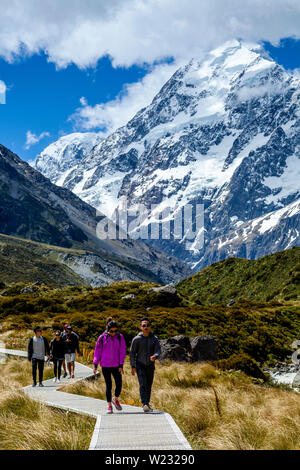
133 371
121 370
95 370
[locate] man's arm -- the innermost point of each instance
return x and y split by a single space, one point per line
77 344
133 353
157 348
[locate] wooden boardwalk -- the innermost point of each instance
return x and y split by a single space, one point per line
129 429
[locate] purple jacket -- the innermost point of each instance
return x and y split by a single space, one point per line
110 351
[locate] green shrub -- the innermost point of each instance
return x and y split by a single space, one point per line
244 363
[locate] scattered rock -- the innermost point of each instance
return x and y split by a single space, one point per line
183 349
4 292
231 302
168 289
28 290
128 296
164 295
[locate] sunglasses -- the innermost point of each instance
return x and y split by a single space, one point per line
146 325
113 331
57 335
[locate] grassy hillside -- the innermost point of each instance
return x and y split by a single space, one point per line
262 330
272 277
27 261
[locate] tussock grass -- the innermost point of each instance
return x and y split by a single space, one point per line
29 425
215 409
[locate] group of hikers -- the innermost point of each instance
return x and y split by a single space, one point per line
61 351
110 353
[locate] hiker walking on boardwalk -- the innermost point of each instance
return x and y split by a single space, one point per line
38 348
63 337
145 349
110 351
57 354
71 344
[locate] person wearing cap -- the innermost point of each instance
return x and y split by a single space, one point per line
38 348
71 343
63 337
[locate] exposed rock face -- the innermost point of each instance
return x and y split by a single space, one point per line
31 207
165 295
223 131
181 348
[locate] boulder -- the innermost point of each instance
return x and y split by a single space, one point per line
183 349
204 348
169 289
164 295
128 296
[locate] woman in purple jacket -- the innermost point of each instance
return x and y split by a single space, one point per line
110 351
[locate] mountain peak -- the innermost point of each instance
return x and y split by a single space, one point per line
223 131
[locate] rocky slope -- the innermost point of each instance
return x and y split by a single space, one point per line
223 131
33 208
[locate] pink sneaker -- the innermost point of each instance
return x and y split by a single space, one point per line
109 410
116 402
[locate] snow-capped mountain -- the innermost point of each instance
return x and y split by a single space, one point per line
223 131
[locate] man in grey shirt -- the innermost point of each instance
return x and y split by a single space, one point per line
38 348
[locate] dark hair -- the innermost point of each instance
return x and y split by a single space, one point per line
145 319
110 323
57 333
37 328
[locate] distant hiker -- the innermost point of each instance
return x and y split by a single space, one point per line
57 354
63 337
38 348
71 343
110 351
145 349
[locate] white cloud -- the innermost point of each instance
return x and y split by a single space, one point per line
246 93
32 138
138 31
83 101
113 114
3 89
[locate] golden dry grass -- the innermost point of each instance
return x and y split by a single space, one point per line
29 425
214 409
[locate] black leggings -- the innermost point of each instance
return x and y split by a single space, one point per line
107 373
57 367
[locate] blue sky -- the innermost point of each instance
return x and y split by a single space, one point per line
41 98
